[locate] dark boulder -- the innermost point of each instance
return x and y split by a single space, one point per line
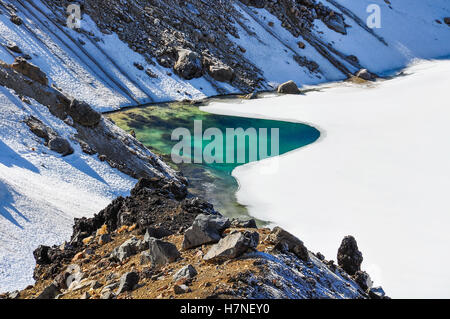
189 64
50 292
83 114
39 129
156 232
41 255
206 229
162 252
186 273
13 47
127 282
221 72
288 88
232 246
284 240
15 19
28 69
365 75
349 257
60 145
251 223
336 23
377 293
362 278
129 248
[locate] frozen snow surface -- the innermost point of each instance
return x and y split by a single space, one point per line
379 172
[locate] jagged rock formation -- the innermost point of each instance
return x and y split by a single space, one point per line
349 257
195 39
95 134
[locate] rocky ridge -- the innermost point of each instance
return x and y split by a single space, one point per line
136 248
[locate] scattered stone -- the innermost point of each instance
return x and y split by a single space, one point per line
138 66
221 72
15 19
156 232
127 282
349 257
13 47
365 75
30 70
206 229
288 88
39 129
50 292
61 280
232 246
104 239
301 44
185 273
279 236
60 145
363 279
188 65
181 289
129 248
162 252
336 23
151 74
320 256
251 223
377 293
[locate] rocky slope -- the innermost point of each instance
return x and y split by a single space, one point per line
130 52
159 244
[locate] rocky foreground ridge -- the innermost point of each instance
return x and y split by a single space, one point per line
161 243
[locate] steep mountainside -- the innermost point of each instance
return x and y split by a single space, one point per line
129 52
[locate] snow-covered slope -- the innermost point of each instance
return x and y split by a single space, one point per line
40 191
99 68
379 172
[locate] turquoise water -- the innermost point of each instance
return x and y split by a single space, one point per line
154 124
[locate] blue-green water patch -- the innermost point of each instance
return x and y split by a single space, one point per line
154 124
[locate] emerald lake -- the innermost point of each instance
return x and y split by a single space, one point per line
154 124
